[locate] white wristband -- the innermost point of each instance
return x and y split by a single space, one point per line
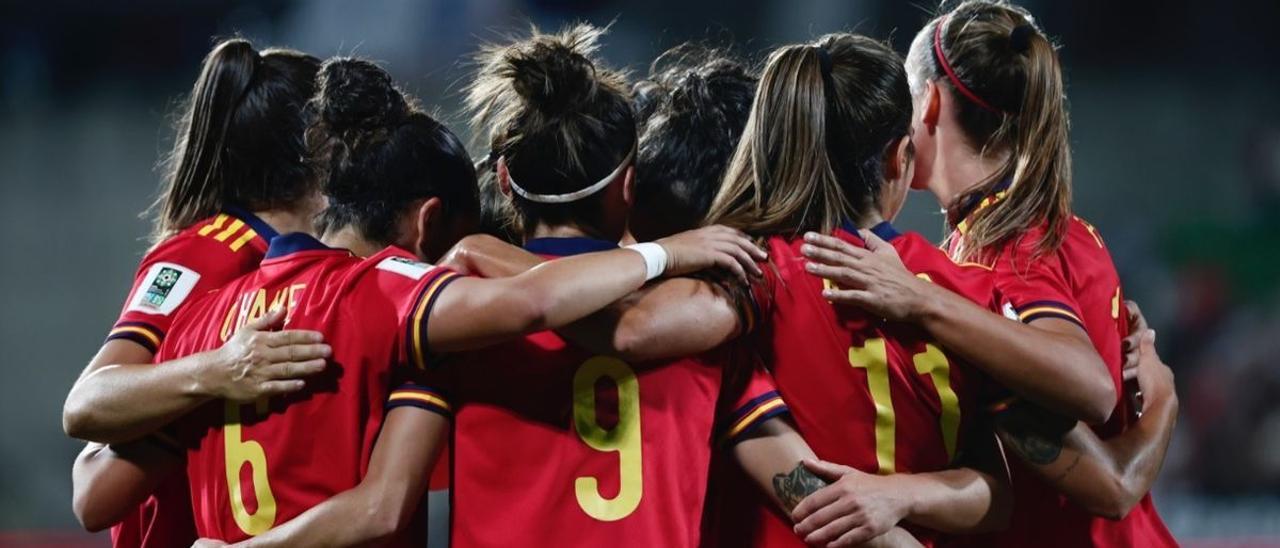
655 258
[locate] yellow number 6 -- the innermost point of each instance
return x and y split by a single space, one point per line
238 452
623 438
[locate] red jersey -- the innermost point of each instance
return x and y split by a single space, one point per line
251 467
556 447
200 258
877 396
1077 283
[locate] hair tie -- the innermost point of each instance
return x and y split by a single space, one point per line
951 74
1020 37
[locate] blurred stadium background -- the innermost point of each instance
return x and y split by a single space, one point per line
1177 154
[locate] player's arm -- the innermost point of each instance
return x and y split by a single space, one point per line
108 482
557 293
103 403
667 319
1106 477
386 499
1050 361
773 455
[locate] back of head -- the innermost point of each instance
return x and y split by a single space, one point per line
692 110
1007 83
377 154
812 154
239 137
560 121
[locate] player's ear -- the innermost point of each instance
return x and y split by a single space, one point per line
932 107
504 176
629 185
426 218
896 158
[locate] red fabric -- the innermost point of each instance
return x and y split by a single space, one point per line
315 443
519 461
1082 274
807 341
164 520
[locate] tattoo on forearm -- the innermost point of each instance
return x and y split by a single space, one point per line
1067 471
792 487
1036 448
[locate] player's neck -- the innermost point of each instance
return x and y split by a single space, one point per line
869 220
349 238
958 168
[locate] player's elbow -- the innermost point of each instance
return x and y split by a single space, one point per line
385 519
1095 396
77 420
90 512
632 338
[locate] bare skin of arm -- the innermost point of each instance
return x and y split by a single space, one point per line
1106 477
384 502
1049 361
108 482
773 456
554 294
103 404
666 319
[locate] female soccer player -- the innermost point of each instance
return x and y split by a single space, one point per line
236 177
827 149
992 143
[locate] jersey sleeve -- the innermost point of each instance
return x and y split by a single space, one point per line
169 277
748 407
420 380
1035 286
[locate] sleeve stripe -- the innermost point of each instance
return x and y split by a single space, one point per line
425 301
751 405
139 334
1042 308
758 416
420 399
1057 314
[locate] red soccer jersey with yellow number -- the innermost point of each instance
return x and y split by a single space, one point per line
555 447
1077 283
194 261
880 397
254 466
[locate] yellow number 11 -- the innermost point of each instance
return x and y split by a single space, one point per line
873 357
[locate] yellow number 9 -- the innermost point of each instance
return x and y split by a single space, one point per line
623 438
238 452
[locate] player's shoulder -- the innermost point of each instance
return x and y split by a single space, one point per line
931 263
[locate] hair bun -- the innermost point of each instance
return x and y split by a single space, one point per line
553 73
1020 37
358 94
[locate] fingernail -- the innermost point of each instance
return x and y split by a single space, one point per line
806 249
809 236
810 267
827 293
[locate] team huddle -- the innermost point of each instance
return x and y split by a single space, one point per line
671 312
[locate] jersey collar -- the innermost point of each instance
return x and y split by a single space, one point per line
978 202
294 242
885 230
258 225
563 247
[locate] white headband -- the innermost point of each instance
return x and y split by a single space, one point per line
575 195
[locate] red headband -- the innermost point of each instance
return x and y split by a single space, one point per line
951 74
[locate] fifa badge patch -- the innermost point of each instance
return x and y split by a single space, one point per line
160 286
164 288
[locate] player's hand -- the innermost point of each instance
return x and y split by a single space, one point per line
854 509
1131 345
873 279
208 543
1155 379
257 362
712 247
895 538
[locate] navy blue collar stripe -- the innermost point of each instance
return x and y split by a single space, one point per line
885 230
294 242
258 225
563 247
